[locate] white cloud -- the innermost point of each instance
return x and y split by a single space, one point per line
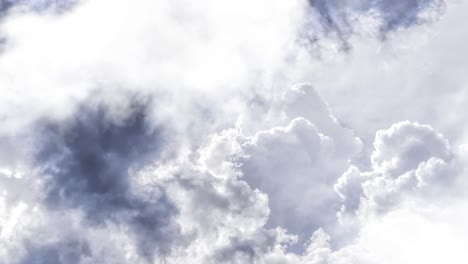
295 161
416 74
408 158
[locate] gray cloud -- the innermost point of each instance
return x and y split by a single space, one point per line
4 6
337 15
246 250
339 21
87 163
56 6
72 251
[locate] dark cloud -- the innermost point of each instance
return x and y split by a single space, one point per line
87 164
5 5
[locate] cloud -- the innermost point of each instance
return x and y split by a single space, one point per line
295 162
424 232
409 193
408 158
405 145
138 54
221 218
420 224
399 78
393 14
288 180
88 164
221 213
71 251
173 132
82 161
7 7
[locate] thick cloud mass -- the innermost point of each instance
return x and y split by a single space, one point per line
264 132
87 163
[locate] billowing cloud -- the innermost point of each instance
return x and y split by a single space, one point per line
297 165
411 164
407 157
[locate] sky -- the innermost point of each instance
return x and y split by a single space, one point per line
249 131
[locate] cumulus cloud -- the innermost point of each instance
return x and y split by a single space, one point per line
415 175
398 219
408 158
297 164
